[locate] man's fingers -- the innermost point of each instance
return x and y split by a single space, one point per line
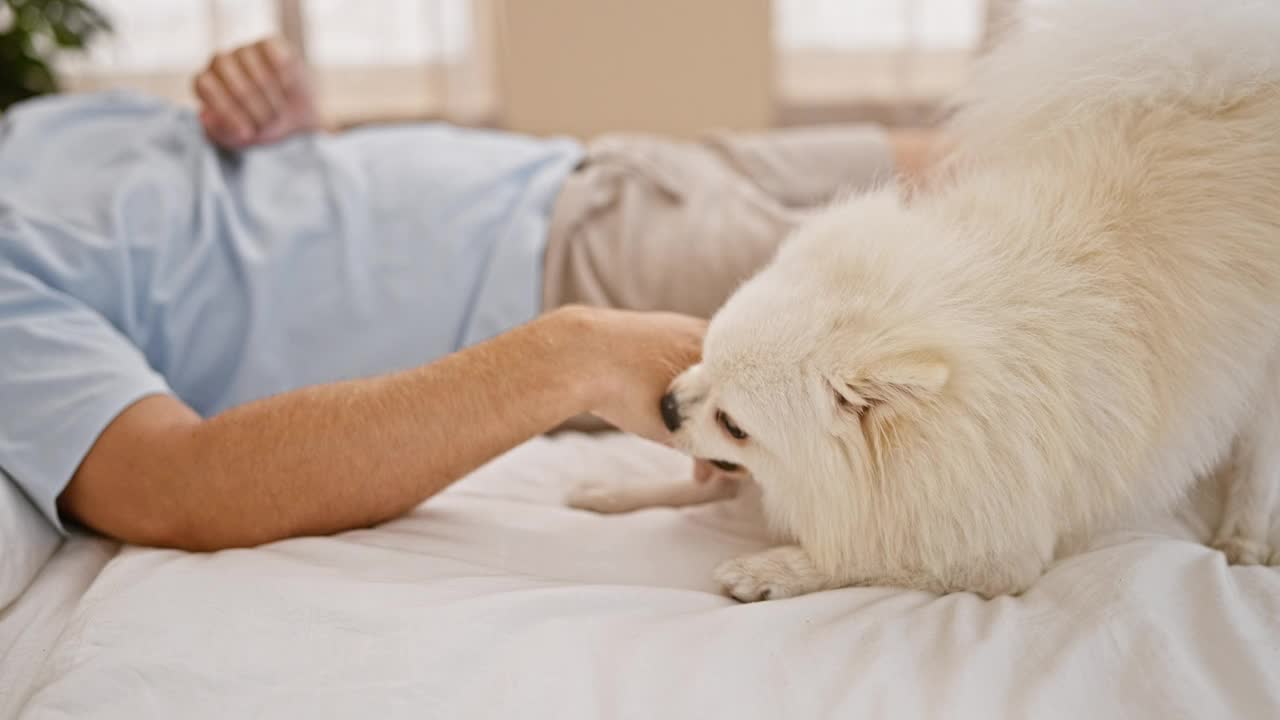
255 94
242 90
282 62
258 70
216 130
223 112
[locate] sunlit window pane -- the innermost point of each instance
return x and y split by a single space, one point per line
151 35
238 22
388 32
877 24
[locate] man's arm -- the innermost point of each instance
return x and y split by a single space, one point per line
346 455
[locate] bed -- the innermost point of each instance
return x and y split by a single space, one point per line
495 600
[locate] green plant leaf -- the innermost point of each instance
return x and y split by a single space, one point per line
42 29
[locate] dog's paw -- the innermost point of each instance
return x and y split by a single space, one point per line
771 575
601 498
1244 551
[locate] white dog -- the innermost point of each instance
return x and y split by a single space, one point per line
1081 319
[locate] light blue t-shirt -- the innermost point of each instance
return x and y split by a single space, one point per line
136 259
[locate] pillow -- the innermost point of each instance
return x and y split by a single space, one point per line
27 540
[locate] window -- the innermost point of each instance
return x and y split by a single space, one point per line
389 59
395 59
894 54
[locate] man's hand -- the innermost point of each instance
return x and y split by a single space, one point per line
255 94
641 353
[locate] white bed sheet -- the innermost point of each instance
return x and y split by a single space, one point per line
31 626
496 601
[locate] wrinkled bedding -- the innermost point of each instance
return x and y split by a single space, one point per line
494 600
32 626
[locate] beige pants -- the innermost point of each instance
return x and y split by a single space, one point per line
652 224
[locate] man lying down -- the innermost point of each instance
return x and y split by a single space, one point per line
226 328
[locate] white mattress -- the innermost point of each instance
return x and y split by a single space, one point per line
495 601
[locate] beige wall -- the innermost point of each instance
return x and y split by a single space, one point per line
677 67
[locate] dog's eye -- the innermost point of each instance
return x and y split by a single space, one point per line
729 427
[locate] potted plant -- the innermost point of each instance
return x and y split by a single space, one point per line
33 33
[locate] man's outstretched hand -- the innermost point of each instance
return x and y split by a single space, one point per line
255 94
638 354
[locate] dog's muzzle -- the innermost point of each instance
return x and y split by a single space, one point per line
670 412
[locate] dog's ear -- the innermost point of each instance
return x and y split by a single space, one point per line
892 383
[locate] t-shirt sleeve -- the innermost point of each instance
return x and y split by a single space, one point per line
65 374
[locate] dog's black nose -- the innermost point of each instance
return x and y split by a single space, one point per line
670 412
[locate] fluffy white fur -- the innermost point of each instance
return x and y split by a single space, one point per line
1080 320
